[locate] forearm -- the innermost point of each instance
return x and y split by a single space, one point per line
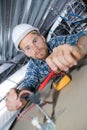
82 45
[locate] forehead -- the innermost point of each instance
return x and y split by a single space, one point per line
28 39
29 36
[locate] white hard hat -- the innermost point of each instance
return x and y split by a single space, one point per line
20 31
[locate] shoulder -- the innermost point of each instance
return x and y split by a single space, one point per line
57 40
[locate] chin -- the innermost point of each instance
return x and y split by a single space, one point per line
41 57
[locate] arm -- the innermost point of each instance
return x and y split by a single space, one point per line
13 101
82 45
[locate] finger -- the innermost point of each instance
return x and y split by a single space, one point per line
14 92
70 60
63 60
13 106
51 64
11 95
61 64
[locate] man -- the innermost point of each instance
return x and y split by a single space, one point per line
60 53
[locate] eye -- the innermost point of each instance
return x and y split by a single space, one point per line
27 48
35 40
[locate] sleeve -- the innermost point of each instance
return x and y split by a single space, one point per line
31 77
69 39
72 39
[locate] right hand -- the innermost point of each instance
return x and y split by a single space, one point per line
61 58
12 101
64 57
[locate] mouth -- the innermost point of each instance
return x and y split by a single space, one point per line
40 53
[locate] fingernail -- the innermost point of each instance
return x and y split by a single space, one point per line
75 63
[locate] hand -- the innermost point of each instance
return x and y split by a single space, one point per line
12 101
63 57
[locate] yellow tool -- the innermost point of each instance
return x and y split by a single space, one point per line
62 82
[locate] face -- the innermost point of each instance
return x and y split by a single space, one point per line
34 46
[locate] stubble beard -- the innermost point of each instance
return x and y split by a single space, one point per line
43 55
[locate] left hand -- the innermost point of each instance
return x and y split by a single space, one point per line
63 57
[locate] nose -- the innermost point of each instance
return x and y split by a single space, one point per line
34 48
